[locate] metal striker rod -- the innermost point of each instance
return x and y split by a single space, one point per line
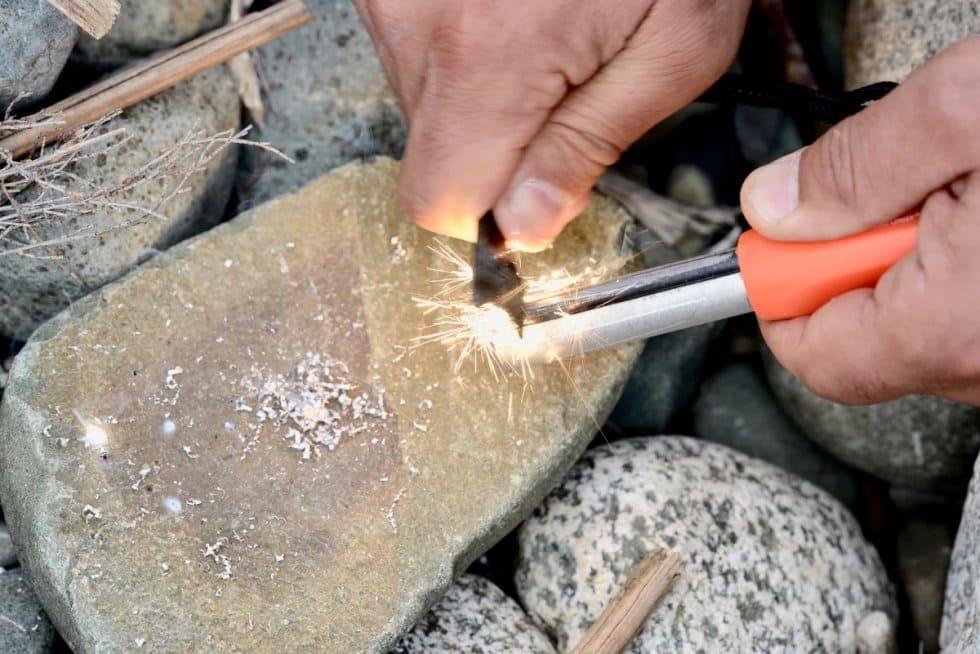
628 287
678 308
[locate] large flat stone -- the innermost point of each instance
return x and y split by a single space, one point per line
148 500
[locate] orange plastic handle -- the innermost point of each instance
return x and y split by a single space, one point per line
792 279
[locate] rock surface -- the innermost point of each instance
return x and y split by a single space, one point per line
885 40
924 548
328 101
145 27
8 553
243 447
875 634
665 379
35 39
37 288
474 617
736 409
24 629
770 563
917 441
961 608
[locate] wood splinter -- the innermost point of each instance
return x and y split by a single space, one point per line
94 16
628 610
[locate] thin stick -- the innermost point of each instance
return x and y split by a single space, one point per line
625 614
94 16
159 74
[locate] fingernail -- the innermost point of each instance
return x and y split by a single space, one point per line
773 191
528 213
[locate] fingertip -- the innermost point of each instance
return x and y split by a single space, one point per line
442 216
770 194
529 212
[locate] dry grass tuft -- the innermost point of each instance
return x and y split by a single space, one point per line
44 190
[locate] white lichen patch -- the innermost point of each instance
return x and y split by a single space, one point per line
317 406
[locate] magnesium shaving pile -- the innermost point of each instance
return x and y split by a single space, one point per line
317 405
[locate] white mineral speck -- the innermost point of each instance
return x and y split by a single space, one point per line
228 263
169 428
173 505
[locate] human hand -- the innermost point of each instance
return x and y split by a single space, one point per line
520 106
918 331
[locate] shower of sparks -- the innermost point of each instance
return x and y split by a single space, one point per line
487 333
474 334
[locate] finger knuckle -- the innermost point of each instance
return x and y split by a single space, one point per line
590 151
834 162
952 93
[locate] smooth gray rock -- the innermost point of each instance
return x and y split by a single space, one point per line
144 27
36 288
885 40
917 441
24 628
770 563
328 101
736 409
243 446
665 379
474 617
961 608
35 41
924 548
8 553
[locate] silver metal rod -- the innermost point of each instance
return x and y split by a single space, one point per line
643 317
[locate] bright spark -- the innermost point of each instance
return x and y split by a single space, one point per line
487 333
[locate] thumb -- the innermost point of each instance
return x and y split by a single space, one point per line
651 77
872 167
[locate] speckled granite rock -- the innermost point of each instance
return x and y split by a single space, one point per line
328 101
771 563
888 39
474 617
961 609
8 553
35 39
665 379
144 27
875 634
24 628
736 409
37 288
917 441
242 446
924 548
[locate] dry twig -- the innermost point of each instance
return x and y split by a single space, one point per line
157 74
669 220
40 193
243 68
625 614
